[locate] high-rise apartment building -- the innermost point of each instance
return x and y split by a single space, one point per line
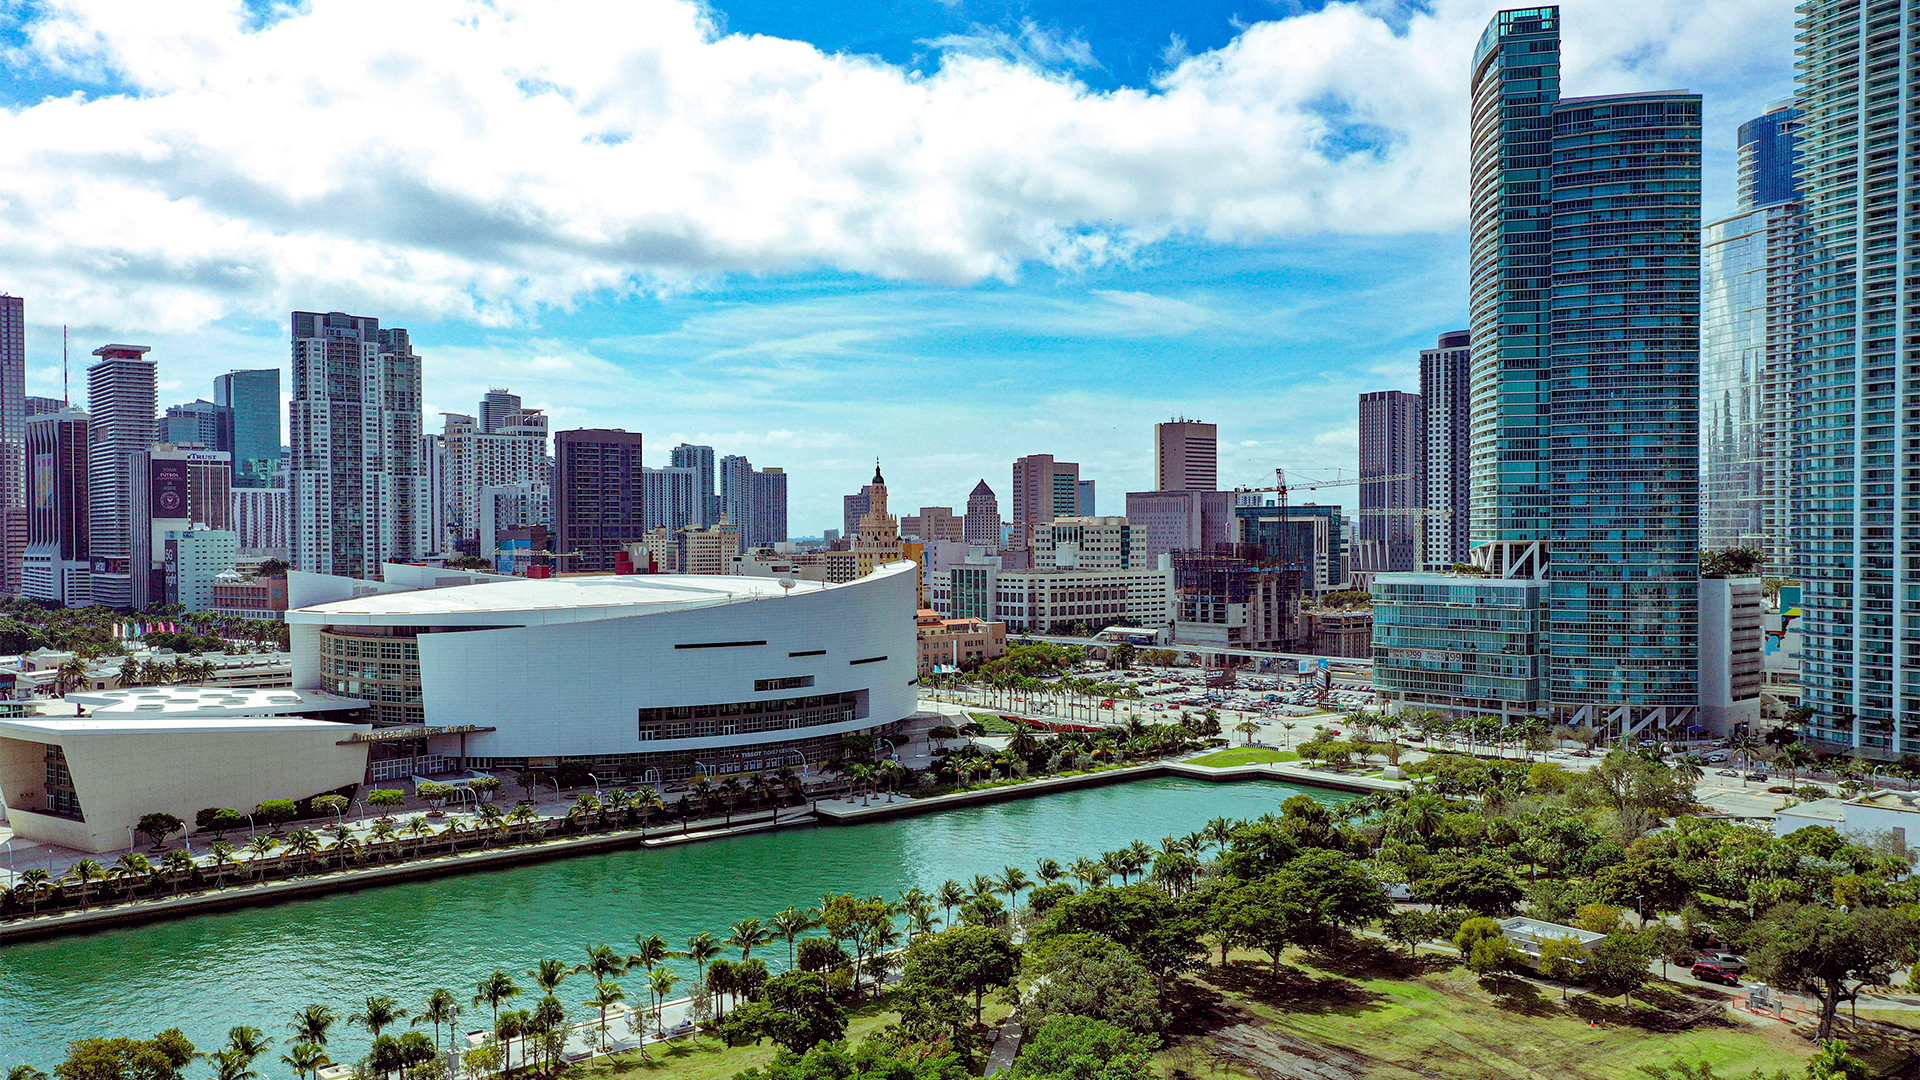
935 523
253 400
599 497
1392 478
754 500
121 398
701 460
1168 521
673 499
982 522
1859 499
13 436
1751 347
358 487
1186 456
56 565
1446 404
1044 489
511 451
496 407
1585 233
260 521
853 508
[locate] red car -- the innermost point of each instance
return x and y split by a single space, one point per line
1714 973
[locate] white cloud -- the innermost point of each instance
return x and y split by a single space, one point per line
471 160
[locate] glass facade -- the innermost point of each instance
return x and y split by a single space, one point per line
1462 644
383 670
1767 153
1623 602
254 398
1857 515
1516 80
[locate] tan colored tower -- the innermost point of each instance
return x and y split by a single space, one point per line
1186 456
878 542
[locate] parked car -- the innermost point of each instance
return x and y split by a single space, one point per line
1728 772
1714 973
1756 776
1733 962
1717 757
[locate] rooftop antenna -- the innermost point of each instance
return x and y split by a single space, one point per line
66 391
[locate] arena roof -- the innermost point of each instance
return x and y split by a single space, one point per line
526 601
174 702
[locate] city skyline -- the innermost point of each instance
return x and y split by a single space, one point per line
1280 311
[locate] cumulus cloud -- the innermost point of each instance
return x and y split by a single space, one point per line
477 160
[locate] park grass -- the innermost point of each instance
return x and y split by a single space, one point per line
993 724
708 1058
1369 1014
1245 755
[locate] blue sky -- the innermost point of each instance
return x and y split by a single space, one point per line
944 234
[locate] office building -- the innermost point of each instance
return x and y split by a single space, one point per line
1751 348
1585 442
13 437
197 423
599 497
56 565
949 645
433 476
496 407
705 549
507 512
852 509
1310 537
1856 518
260 598
1053 600
1083 504
259 518
358 488
981 525
701 460
1186 456
41 406
175 489
673 500
121 399
1446 404
1043 489
1392 478
1090 543
194 560
1168 521
1460 644
252 398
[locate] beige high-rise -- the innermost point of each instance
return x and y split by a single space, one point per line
1186 456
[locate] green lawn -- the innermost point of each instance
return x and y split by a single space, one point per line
994 724
1435 1021
1245 755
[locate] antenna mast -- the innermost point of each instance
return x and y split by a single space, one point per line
66 391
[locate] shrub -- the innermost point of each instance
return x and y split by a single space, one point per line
277 811
218 819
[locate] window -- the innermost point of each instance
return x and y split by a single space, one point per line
868 660
718 644
792 683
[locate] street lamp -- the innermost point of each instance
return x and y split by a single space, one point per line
131 843
596 784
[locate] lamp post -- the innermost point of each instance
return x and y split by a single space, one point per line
131 843
596 784
251 827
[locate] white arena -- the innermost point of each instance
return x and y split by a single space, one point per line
641 677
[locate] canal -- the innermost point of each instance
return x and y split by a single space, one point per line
258 966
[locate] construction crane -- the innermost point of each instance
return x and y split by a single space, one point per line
1281 487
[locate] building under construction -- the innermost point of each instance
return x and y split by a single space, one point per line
1239 597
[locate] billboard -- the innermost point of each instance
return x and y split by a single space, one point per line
167 491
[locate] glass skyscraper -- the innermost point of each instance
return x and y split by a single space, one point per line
254 397
1750 348
1857 516
1585 309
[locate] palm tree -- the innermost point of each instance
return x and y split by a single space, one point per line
1089 871
920 919
548 975
419 828
790 924
700 949
605 995
1287 726
653 951
1794 757
646 800
747 935
1248 729
247 1043
494 989
386 836
951 895
660 984
1050 871
442 1008
179 865
224 854
1013 879
304 1058
36 882
602 963
260 846
86 872
70 674
304 843
310 1024
508 1027
379 1014
131 865
228 1065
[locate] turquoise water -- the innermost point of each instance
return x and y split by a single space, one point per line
258 966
